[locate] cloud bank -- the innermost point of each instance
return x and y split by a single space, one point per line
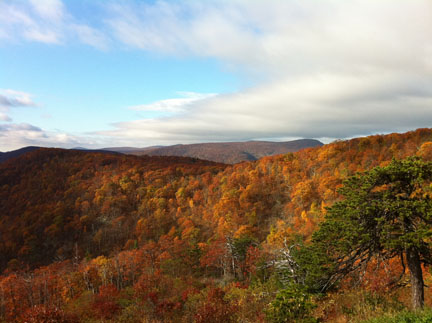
327 69
320 69
15 135
177 105
312 107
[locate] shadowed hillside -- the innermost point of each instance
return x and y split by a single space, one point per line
16 153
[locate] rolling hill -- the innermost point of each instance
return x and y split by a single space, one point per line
16 153
99 237
225 152
4 156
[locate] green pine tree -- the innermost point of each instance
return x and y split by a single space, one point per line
385 212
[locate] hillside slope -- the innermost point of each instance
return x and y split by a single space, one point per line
16 153
228 152
174 239
5 156
48 198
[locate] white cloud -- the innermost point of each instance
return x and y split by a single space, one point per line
17 135
11 98
176 105
90 36
313 107
23 20
45 21
42 36
282 36
322 69
4 117
318 68
49 9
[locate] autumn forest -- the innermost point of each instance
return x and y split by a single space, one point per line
102 237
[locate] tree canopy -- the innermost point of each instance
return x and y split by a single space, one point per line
385 212
92 236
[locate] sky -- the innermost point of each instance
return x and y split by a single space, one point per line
140 73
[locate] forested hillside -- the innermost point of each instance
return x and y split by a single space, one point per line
53 199
89 236
226 152
15 153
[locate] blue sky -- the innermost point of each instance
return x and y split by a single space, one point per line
80 89
141 73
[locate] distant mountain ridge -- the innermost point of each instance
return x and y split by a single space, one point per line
16 153
221 152
224 152
4 156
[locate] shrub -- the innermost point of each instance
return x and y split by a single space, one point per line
292 304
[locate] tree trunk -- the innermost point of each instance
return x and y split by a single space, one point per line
416 275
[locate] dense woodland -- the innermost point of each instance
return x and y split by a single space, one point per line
91 237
